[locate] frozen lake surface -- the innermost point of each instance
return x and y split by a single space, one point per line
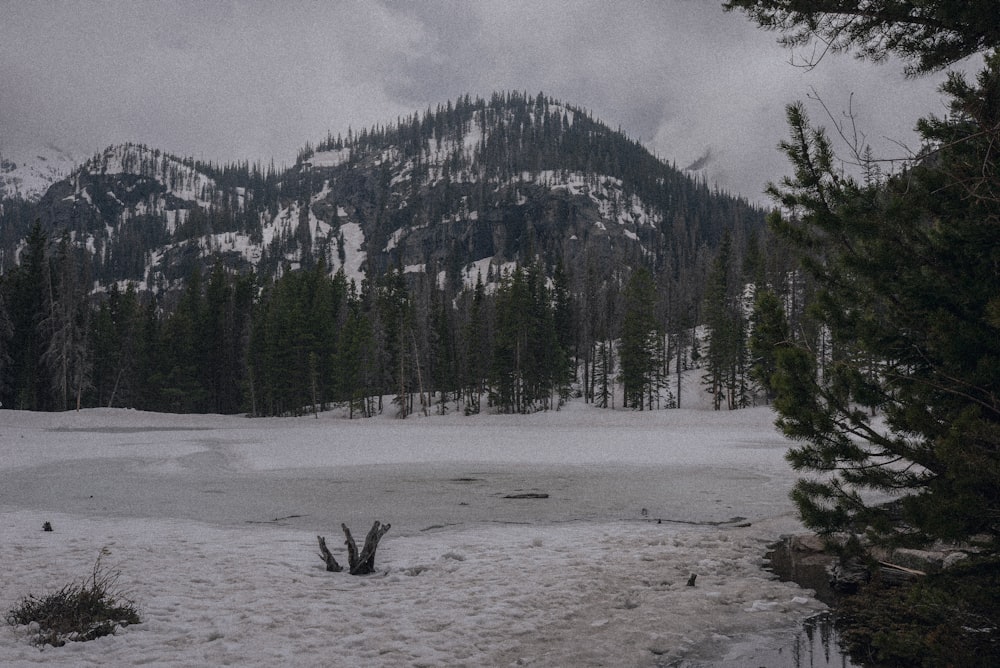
212 521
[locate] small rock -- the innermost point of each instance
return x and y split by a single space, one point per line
809 542
953 558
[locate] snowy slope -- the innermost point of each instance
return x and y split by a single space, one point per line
28 173
212 522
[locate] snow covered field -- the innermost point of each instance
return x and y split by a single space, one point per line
212 522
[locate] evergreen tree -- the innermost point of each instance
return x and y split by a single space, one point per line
508 389
724 319
564 321
528 366
6 332
930 34
476 348
65 329
907 271
769 334
179 377
639 338
445 354
28 305
227 313
117 345
355 362
293 340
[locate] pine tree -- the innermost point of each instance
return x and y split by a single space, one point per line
445 355
179 379
6 332
769 333
117 348
907 271
28 304
930 34
639 337
65 329
724 318
354 360
564 321
476 349
508 390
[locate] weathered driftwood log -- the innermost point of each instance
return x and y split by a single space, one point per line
331 563
364 563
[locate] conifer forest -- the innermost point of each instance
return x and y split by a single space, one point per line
515 251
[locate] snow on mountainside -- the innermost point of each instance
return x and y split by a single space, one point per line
28 173
454 194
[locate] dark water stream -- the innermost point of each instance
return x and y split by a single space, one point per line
816 644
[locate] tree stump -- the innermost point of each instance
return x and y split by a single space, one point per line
357 564
331 563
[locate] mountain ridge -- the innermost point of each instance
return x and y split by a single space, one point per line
466 189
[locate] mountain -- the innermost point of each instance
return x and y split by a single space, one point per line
494 254
465 190
27 174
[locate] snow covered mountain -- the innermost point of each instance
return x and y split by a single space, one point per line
457 193
27 174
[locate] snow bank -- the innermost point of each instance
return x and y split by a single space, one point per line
212 521
527 595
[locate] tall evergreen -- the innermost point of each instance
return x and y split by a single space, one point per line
528 366
64 328
116 338
28 304
639 338
725 357
476 348
769 333
907 271
6 333
179 379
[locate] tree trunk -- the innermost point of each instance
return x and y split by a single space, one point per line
364 563
331 563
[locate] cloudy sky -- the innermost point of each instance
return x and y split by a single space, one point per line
228 80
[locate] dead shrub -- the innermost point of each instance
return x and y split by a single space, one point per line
77 612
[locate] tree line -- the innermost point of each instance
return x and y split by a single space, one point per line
231 342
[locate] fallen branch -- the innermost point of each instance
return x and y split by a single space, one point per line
896 567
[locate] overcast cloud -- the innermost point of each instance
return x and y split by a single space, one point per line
238 80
